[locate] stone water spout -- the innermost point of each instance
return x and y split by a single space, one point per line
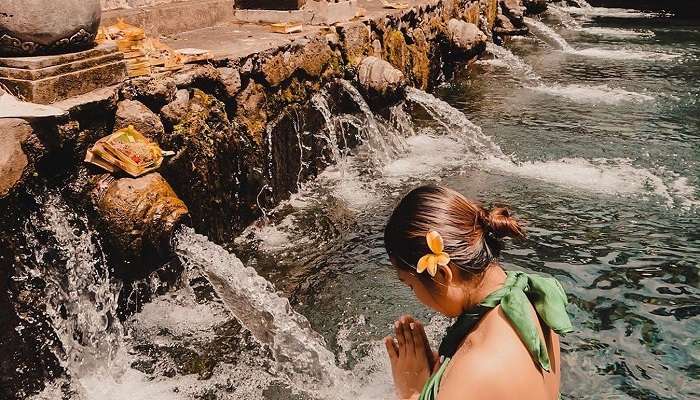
41 27
140 215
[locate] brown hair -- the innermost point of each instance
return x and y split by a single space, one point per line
472 234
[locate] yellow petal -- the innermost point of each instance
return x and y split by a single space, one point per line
433 265
443 259
423 263
435 242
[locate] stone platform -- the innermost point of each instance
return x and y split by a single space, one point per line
48 79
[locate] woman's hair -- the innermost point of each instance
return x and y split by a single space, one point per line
471 233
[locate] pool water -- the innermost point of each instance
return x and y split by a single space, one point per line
606 138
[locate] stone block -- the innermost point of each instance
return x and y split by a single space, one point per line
48 79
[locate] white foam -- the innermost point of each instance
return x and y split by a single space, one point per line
180 314
612 12
608 176
623 54
426 155
598 94
616 32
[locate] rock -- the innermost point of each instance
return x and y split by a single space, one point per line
14 163
355 39
151 91
231 79
250 110
395 50
175 111
506 28
379 77
419 59
139 214
197 76
465 36
535 6
37 27
513 9
133 112
211 167
312 57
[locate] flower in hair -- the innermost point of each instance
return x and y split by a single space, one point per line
437 257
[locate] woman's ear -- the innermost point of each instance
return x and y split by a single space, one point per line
444 275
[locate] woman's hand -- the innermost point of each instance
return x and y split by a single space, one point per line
412 361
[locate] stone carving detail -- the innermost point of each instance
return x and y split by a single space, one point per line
79 40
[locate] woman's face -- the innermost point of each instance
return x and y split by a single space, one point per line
449 301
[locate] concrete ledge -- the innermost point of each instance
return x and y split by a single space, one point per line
173 18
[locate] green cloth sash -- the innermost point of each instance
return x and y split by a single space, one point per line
519 290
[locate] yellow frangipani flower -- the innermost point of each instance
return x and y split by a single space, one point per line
438 257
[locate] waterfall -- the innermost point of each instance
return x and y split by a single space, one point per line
300 352
456 123
549 34
381 139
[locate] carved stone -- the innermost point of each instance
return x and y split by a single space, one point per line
40 27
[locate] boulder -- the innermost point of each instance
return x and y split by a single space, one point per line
154 92
513 9
311 56
39 27
176 110
465 36
506 28
231 79
535 6
14 163
133 112
379 77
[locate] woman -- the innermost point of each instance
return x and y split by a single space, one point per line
504 344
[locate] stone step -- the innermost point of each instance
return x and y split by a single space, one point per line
48 79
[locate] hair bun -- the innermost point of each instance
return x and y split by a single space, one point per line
502 224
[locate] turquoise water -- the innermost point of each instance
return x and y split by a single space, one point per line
607 143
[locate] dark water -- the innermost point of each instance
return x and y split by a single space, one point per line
607 187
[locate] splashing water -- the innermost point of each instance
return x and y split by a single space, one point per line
299 351
552 37
383 141
549 35
582 4
592 94
514 63
456 123
80 297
